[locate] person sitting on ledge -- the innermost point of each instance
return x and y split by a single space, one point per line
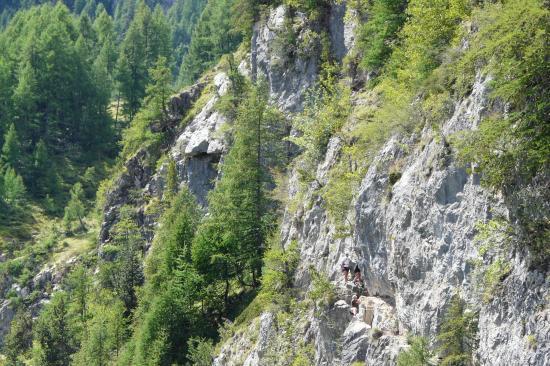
355 305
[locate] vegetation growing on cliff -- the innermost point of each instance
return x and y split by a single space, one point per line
83 82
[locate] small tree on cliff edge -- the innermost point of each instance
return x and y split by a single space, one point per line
457 334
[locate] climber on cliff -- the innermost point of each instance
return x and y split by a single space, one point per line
345 267
357 280
355 301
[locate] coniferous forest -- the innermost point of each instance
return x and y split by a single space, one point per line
174 172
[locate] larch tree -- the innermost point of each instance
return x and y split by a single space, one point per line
11 150
75 210
230 242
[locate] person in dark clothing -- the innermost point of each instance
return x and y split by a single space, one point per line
355 301
345 268
357 280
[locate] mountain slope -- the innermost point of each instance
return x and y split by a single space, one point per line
418 149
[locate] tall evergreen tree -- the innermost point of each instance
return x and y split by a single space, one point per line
457 334
6 91
106 330
75 211
25 99
147 39
11 150
171 188
53 338
106 42
159 91
168 313
58 97
128 274
230 242
151 124
43 177
13 189
183 15
213 37
19 338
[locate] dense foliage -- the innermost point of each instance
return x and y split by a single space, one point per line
377 37
58 77
511 45
55 101
147 40
213 37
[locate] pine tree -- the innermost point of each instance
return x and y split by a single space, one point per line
6 91
171 181
418 354
106 39
183 16
75 211
19 338
25 99
79 286
159 91
54 343
457 334
151 124
11 150
147 39
13 189
168 308
129 272
212 38
106 330
231 241
43 178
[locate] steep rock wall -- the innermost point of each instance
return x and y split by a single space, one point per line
413 240
415 244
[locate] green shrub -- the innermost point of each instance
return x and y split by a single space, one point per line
376 333
338 194
285 44
394 177
378 34
531 341
418 354
493 276
322 292
279 268
278 273
304 355
314 8
511 45
327 109
200 351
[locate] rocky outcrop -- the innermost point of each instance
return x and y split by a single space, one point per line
196 150
288 68
413 238
342 24
6 316
36 293
136 174
412 223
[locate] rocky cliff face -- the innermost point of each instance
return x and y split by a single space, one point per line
413 236
196 149
414 241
